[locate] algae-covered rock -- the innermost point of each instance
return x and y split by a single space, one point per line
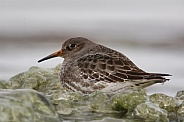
25 106
76 106
70 101
4 84
110 119
166 102
99 102
180 95
40 79
181 110
65 102
152 112
127 101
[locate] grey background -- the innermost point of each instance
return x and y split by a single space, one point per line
151 33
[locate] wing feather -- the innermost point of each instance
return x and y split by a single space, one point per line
111 69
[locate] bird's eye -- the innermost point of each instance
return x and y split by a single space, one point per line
72 45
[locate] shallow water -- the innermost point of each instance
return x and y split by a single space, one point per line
17 57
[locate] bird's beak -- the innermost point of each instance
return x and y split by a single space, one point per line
56 54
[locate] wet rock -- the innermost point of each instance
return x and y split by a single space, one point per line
109 119
181 110
40 79
127 101
152 112
166 102
71 105
65 102
25 105
180 95
98 102
4 84
70 101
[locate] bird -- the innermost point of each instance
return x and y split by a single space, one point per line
90 67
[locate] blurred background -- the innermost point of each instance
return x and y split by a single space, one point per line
150 33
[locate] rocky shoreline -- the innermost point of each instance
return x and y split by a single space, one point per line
37 95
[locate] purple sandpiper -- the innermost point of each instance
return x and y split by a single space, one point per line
89 67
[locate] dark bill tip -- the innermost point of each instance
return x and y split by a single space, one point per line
53 55
46 58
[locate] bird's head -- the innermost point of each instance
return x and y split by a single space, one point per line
70 48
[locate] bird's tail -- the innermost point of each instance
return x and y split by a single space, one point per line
153 78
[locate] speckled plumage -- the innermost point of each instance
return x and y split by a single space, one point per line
88 67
